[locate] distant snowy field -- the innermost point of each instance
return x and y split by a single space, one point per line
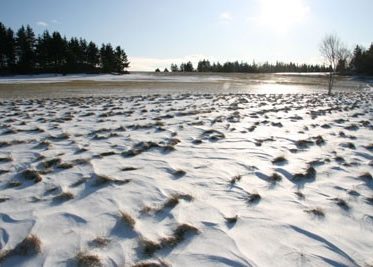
52 78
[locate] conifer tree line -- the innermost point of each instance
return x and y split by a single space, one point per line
21 52
360 61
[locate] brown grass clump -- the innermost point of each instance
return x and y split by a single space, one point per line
212 135
300 195
171 202
84 259
235 179
103 179
149 247
231 220
65 165
64 196
100 242
146 209
127 219
319 140
366 177
33 175
178 236
30 246
318 212
279 160
309 174
179 173
253 198
275 177
184 229
304 143
51 163
341 203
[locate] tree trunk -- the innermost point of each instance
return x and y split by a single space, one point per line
330 86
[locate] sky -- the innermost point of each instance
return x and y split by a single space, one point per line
157 33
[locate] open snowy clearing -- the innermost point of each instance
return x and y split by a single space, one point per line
187 180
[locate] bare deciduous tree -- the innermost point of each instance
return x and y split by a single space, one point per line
332 50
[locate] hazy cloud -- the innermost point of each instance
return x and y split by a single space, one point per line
226 17
42 23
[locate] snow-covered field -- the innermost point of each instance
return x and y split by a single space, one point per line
187 180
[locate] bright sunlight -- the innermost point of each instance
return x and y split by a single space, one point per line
281 16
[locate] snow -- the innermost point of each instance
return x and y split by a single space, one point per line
240 135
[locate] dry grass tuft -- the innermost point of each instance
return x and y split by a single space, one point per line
275 177
309 174
178 236
279 160
149 247
84 259
171 202
235 179
366 177
179 173
253 198
341 203
30 246
32 175
300 195
51 163
100 242
103 179
64 196
319 140
318 212
127 219
231 220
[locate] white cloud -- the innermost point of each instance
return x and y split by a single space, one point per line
42 23
150 64
226 17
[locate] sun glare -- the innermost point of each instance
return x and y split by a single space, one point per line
282 15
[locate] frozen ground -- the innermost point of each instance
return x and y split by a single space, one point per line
41 86
187 180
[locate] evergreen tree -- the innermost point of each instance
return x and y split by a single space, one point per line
174 68
7 49
53 53
93 56
25 49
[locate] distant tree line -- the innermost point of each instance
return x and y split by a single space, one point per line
361 61
244 67
24 53
358 62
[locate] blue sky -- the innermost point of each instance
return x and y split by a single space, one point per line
156 33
